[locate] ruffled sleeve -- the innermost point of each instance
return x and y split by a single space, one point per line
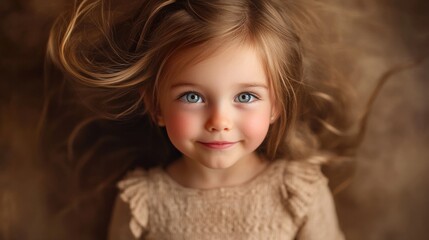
307 196
134 191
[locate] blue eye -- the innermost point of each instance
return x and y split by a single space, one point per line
191 97
245 98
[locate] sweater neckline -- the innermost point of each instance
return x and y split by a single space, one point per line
263 176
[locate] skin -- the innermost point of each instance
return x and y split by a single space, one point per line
217 112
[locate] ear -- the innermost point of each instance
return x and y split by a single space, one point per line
155 115
275 113
160 120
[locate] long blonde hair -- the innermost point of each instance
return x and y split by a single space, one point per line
113 55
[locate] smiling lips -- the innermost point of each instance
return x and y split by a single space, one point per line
218 144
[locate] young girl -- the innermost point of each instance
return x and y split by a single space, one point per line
232 85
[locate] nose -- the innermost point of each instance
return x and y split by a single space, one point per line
219 119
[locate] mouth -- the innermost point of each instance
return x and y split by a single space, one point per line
218 144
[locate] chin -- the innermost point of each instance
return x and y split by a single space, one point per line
218 163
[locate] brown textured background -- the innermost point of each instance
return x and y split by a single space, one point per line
388 197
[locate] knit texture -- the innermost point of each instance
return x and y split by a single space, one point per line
288 200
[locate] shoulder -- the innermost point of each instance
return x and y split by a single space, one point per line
301 184
131 207
134 185
307 197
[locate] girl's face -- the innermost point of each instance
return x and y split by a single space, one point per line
218 111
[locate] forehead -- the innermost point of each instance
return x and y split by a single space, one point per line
236 62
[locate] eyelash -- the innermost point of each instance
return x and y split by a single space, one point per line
252 96
184 96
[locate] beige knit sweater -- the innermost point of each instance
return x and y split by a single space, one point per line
288 200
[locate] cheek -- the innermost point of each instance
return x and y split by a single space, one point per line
181 125
255 126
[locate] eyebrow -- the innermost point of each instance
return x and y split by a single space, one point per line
244 85
183 85
252 85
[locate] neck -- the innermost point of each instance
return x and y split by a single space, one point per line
191 174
